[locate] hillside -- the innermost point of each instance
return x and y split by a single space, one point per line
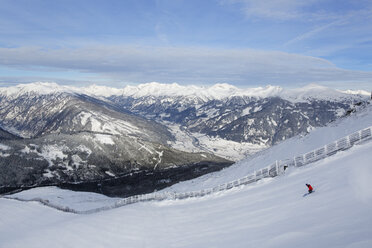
71 138
298 145
221 119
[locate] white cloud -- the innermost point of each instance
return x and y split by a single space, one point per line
184 65
303 11
314 32
273 9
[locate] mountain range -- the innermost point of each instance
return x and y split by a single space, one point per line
148 136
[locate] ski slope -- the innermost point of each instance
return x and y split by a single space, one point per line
269 213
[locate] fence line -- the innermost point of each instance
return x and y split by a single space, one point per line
275 169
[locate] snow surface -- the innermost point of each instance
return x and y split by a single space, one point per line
42 88
198 142
52 152
4 147
269 213
105 124
221 91
357 92
67 198
105 139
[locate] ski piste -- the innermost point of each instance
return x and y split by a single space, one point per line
309 193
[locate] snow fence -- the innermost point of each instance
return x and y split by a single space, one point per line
273 170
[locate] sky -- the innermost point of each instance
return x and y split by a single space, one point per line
246 43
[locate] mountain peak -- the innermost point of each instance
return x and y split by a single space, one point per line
41 88
314 91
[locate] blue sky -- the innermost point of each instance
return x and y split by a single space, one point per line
247 43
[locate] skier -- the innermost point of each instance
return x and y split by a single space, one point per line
310 188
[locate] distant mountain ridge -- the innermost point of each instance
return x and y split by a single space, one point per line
217 91
262 116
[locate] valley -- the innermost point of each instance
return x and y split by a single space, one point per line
94 137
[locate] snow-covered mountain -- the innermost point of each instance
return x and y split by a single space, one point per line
257 117
68 137
33 114
215 92
70 134
221 119
269 213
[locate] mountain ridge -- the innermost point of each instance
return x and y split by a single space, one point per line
221 111
76 138
71 135
217 91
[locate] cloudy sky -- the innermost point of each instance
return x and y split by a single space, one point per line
246 43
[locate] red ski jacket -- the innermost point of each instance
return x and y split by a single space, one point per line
309 186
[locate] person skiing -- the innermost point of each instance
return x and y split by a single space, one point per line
310 188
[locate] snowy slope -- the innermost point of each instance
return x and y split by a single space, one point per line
286 150
269 213
79 201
